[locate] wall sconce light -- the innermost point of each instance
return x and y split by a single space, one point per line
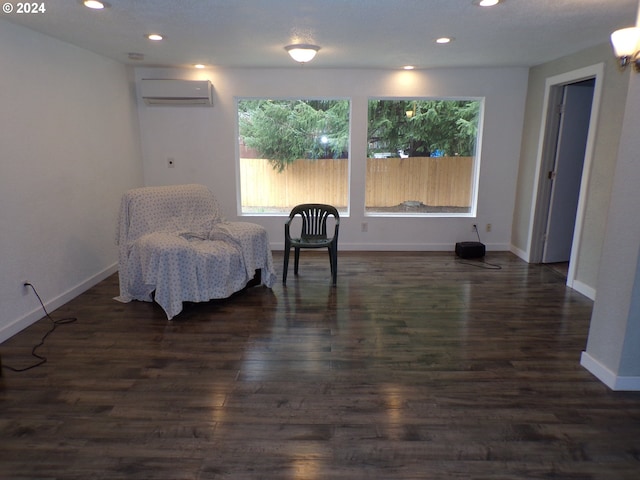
302 52
626 45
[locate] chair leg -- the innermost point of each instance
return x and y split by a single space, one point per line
296 260
286 266
334 265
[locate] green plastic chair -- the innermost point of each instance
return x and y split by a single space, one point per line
313 234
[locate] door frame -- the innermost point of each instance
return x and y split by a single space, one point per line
545 157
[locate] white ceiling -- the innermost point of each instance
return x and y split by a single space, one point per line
352 33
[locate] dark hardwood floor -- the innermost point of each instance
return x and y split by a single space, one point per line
416 366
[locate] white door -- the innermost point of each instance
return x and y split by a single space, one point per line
567 172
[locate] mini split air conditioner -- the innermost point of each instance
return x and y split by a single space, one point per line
176 92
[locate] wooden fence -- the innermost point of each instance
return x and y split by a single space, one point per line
434 181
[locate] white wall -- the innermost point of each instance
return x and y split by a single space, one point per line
203 143
609 123
69 146
612 352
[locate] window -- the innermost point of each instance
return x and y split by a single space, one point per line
292 152
422 157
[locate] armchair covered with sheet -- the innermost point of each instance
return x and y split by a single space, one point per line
174 247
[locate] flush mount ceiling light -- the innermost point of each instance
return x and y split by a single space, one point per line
302 52
156 37
199 65
626 45
408 67
95 4
486 3
444 40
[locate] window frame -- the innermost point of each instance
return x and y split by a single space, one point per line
344 212
475 183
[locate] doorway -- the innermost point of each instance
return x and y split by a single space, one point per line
565 173
566 148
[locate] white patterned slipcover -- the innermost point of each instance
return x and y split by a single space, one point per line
173 241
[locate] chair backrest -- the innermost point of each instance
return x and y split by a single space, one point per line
169 208
314 218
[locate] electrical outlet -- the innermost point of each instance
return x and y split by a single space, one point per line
171 162
474 228
488 227
25 287
364 227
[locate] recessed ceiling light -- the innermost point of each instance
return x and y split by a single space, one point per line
155 37
486 3
443 40
199 65
95 4
408 67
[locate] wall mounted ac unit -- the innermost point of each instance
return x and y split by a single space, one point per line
176 92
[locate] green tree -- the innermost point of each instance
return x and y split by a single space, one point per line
422 127
283 131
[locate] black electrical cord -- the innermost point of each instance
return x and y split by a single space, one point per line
475 227
54 325
481 263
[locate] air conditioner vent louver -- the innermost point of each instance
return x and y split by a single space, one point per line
176 92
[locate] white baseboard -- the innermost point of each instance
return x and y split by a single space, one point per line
584 289
382 247
519 253
609 378
576 285
396 247
400 247
36 314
